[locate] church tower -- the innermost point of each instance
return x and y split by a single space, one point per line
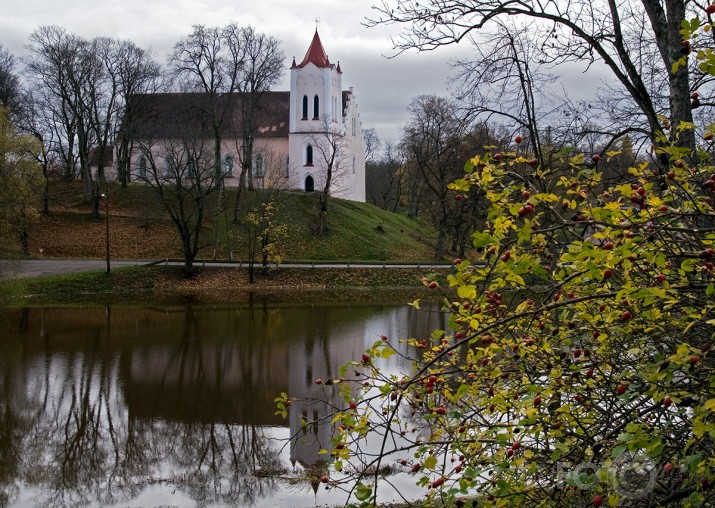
324 126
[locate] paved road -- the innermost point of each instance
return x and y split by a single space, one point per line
13 269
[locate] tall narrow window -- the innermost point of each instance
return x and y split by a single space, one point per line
287 166
141 167
316 108
305 107
309 155
169 165
228 166
260 167
193 168
353 165
309 184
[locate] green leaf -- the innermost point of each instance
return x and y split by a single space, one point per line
362 492
481 239
618 451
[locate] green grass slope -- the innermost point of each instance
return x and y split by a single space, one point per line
140 229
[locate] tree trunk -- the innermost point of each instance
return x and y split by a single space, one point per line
24 241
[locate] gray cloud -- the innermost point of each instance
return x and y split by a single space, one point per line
383 86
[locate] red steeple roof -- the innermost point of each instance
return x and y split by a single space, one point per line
316 54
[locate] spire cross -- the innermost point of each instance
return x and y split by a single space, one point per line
317 23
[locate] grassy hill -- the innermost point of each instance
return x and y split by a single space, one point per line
140 229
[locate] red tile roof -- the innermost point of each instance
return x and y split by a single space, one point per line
316 54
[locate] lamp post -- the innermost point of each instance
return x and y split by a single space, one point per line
106 223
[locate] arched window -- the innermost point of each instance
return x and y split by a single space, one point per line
228 166
193 168
141 167
309 184
309 155
316 108
259 167
169 166
305 107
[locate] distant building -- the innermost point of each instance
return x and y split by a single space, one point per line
293 131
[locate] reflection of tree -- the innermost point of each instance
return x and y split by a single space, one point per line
93 411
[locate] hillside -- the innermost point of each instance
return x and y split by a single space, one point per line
140 229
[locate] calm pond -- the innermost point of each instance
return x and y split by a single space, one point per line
174 406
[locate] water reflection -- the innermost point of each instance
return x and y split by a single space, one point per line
173 405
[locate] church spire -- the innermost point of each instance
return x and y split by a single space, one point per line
316 54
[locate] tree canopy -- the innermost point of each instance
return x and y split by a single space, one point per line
576 369
21 180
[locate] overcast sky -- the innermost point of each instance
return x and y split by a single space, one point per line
383 86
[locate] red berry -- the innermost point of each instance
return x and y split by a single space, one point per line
626 316
597 500
324 479
663 208
668 468
608 273
621 389
525 194
433 284
694 359
517 140
537 401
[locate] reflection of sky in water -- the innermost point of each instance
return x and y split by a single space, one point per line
142 407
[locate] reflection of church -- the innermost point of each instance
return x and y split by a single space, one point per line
180 381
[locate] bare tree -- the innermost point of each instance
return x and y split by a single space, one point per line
372 144
220 61
329 152
205 62
580 31
10 90
138 74
52 70
263 68
432 142
35 119
385 179
181 170
503 81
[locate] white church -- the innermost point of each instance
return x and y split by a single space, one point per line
296 133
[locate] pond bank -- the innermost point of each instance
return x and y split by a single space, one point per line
217 285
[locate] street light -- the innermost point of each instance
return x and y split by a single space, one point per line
105 196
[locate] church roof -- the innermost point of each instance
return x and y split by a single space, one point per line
316 54
167 115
